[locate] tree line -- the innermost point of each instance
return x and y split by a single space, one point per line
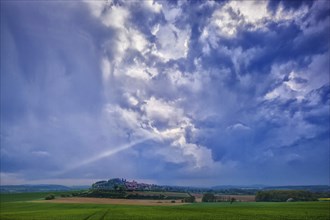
285 195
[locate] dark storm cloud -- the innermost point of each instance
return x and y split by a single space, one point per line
176 92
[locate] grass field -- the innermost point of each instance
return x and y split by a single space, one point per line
19 197
14 209
151 193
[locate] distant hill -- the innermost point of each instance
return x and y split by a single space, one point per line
123 184
120 184
223 187
38 188
311 188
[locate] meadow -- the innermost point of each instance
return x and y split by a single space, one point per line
30 206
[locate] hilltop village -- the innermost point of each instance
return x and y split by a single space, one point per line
121 184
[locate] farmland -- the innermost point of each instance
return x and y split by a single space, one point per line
31 206
144 202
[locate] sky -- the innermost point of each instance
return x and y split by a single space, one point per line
195 93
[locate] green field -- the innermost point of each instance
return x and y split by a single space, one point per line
16 207
19 197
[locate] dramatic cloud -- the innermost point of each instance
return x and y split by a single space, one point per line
188 93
